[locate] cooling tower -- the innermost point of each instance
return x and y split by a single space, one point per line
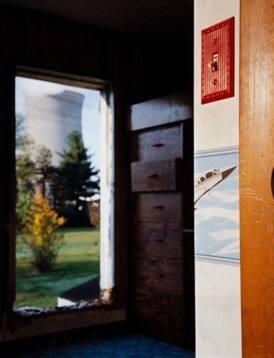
50 118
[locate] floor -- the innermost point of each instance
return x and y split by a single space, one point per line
121 347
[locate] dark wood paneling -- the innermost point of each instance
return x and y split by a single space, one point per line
161 315
121 202
154 239
188 176
158 144
45 42
256 166
160 111
160 309
160 274
160 175
7 189
162 255
160 207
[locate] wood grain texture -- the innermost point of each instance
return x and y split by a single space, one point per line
158 144
160 111
158 175
161 275
160 309
158 239
161 253
160 207
161 316
256 165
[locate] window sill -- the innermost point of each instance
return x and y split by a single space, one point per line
24 323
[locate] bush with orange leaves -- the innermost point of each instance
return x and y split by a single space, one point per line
42 223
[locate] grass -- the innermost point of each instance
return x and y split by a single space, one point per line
78 261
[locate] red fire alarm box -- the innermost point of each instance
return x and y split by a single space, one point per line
218 61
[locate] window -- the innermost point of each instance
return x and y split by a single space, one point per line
64 193
114 184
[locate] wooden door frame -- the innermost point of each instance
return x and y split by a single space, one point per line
256 166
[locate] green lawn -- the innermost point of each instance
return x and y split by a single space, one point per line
78 261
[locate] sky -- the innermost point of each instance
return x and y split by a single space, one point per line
90 114
217 212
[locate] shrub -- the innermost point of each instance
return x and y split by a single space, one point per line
42 222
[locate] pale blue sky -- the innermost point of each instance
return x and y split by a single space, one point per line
217 212
90 114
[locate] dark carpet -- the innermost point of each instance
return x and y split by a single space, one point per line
120 347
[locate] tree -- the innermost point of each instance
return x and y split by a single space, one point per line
25 171
44 170
33 171
25 166
76 178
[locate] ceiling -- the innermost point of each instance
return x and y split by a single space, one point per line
139 17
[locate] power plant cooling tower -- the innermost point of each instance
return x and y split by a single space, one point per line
50 118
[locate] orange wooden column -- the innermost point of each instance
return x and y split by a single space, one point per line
256 166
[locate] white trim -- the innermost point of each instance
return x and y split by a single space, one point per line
219 259
216 151
107 193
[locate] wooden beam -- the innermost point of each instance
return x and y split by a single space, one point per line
160 111
256 167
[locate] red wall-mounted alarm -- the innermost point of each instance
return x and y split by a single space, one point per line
218 61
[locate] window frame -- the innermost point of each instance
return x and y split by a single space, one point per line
112 307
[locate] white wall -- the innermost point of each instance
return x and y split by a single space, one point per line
218 325
218 310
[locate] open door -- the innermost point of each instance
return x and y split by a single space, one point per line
161 245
